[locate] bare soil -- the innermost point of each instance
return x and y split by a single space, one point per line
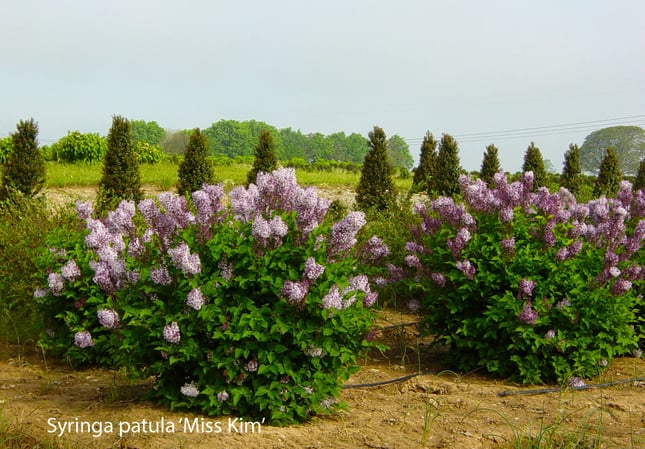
438 409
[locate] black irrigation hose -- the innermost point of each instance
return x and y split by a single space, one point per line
384 382
502 393
560 389
396 326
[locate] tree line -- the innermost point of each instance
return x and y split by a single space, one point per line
437 173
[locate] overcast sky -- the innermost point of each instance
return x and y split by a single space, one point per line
565 67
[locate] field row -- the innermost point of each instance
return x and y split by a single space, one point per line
164 175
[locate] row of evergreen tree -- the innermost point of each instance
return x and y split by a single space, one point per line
438 171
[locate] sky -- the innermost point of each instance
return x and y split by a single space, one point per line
506 72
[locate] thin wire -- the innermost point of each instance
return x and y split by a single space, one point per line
537 131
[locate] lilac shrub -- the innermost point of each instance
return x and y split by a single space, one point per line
529 285
259 309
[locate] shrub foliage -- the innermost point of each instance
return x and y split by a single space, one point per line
258 309
78 147
529 285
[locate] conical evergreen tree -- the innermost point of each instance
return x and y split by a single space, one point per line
571 171
195 169
609 175
533 162
448 167
375 187
23 170
265 159
639 182
424 173
121 179
490 165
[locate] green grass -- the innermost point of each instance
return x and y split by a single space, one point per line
164 176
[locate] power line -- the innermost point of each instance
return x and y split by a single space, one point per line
537 131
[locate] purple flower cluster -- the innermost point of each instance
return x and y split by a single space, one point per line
190 390
56 283
314 351
576 382
313 270
438 279
209 208
109 271
108 318
341 299
120 219
466 268
294 292
528 315
84 210
279 192
251 366
83 339
171 333
375 249
70 270
263 231
526 288
343 233
160 276
195 299
460 241
226 269
181 257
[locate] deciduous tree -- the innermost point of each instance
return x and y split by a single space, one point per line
639 182
398 152
628 143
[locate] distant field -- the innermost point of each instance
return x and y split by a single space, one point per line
164 176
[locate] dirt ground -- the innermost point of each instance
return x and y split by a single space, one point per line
43 403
